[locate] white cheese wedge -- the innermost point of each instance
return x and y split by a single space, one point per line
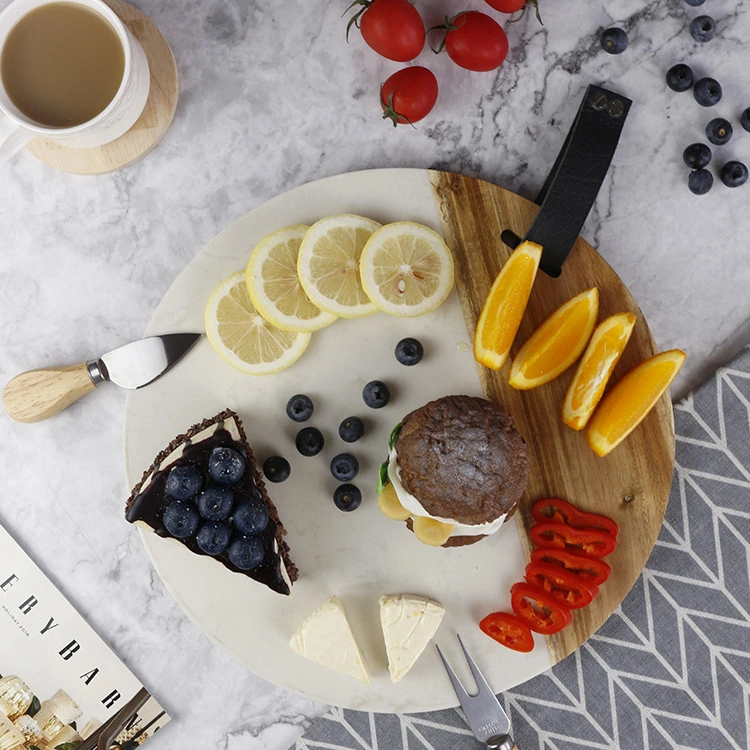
409 622
327 638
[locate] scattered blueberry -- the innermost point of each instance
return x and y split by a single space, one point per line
707 92
251 518
183 482
215 502
347 497
351 429
344 467
697 156
276 469
246 552
299 408
719 131
376 394
695 3
745 119
225 465
213 537
700 181
309 441
680 77
181 519
409 352
703 28
733 174
614 41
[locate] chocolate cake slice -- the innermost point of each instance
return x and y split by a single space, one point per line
205 491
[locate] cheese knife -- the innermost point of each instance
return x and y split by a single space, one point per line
38 394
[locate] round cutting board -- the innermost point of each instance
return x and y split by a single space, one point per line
360 556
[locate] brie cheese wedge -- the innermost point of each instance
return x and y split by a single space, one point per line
409 622
326 637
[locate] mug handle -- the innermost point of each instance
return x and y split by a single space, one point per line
12 137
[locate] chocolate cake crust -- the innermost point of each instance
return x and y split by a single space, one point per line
463 458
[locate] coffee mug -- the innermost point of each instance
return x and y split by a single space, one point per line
117 117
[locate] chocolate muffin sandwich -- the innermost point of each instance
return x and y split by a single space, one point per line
204 490
456 469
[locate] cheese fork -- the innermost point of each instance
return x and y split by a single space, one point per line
484 714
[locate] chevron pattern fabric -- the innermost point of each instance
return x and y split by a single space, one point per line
671 667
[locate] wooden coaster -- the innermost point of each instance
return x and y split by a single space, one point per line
150 127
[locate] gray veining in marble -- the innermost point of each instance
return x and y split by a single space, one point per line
272 97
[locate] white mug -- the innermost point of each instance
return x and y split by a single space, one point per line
115 120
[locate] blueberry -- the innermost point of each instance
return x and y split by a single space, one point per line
707 92
409 352
344 467
680 77
351 429
745 119
246 552
276 469
181 519
700 181
733 174
183 482
376 394
347 497
309 441
695 3
215 502
697 156
703 28
226 465
299 408
719 131
213 537
614 41
251 518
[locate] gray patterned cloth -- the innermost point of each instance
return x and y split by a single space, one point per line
671 667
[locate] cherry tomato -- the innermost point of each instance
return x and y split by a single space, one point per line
509 630
506 6
590 569
538 609
475 41
567 588
561 536
554 510
408 95
393 28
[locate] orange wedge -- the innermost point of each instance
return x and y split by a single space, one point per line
631 399
602 354
557 343
503 309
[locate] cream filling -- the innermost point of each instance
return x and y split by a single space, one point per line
417 509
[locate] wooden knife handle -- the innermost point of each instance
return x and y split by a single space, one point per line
38 394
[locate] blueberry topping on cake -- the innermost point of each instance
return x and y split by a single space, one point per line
224 511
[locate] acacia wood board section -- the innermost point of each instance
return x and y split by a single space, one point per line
148 129
631 485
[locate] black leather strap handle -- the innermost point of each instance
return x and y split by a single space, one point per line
571 188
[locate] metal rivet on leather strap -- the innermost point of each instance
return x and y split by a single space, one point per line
616 108
599 101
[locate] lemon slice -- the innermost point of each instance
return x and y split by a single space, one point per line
242 337
273 284
328 264
406 269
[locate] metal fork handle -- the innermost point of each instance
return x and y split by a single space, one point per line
500 742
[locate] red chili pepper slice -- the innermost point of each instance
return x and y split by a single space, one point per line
538 609
561 536
589 568
554 510
567 588
509 630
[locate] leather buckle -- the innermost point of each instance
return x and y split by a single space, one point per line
572 185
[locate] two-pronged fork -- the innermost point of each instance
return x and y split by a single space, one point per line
484 714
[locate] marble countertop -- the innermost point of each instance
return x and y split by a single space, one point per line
273 97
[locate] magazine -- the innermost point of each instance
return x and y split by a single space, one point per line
61 687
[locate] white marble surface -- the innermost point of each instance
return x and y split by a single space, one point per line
272 97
